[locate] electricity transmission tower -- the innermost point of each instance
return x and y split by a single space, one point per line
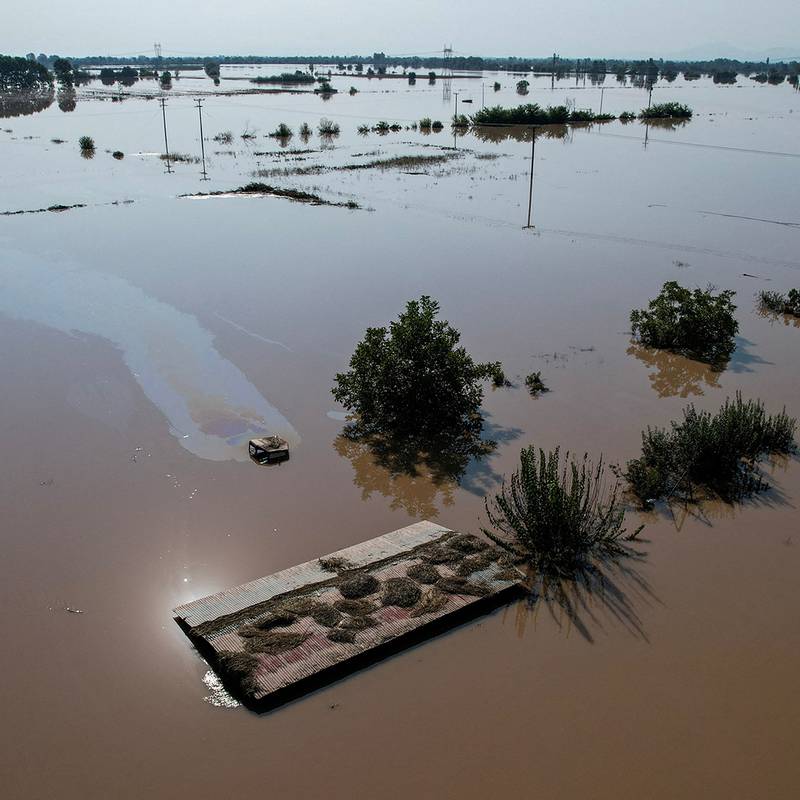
447 72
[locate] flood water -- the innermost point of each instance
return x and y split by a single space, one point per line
146 336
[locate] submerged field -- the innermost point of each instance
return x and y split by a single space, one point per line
148 333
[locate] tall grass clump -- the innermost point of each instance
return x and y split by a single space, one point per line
305 130
328 127
425 124
226 137
666 110
715 455
780 303
698 324
557 516
86 144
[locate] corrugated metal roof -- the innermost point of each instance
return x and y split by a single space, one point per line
387 556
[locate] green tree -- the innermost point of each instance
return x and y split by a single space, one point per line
413 381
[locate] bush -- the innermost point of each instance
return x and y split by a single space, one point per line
781 303
535 383
226 137
86 143
496 86
460 121
697 324
363 129
118 154
425 124
627 116
666 110
283 131
522 87
305 130
718 453
437 125
353 90
495 372
382 127
413 381
327 127
557 517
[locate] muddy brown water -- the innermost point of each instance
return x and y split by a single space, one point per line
142 343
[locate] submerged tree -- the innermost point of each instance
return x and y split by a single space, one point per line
414 386
698 324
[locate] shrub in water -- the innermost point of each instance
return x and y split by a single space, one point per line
717 453
698 324
305 130
283 131
86 143
327 127
781 303
535 383
557 517
665 110
413 381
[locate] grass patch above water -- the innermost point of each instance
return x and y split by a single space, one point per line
707 454
297 195
557 516
780 303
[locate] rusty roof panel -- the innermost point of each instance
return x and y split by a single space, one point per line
214 622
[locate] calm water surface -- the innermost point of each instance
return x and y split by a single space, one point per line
144 341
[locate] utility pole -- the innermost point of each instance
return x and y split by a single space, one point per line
553 73
602 91
456 94
530 190
202 142
166 141
483 95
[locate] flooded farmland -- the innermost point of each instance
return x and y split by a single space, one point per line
153 328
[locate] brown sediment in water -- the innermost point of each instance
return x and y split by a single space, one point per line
694 655
263 189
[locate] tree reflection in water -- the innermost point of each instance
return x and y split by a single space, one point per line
418 479
675 375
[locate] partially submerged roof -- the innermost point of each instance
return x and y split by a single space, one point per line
282 635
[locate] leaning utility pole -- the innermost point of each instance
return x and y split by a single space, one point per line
202 142
163 102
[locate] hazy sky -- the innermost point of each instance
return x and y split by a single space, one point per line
497 27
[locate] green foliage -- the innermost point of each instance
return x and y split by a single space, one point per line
437 125
412 78
781 303
283 131
21 75
534 114
495 371
353 90
557 517
425 124
460 121
698 324
212 69
86 143
535 383
496 86
305 130
363 129
718 453
413 381
226 137
627 116
166 78
63 71
522 87
286 78
666 111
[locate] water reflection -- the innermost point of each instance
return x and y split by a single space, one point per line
67 99
775 318
24 104
416 479
674 375
211 406
607 591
